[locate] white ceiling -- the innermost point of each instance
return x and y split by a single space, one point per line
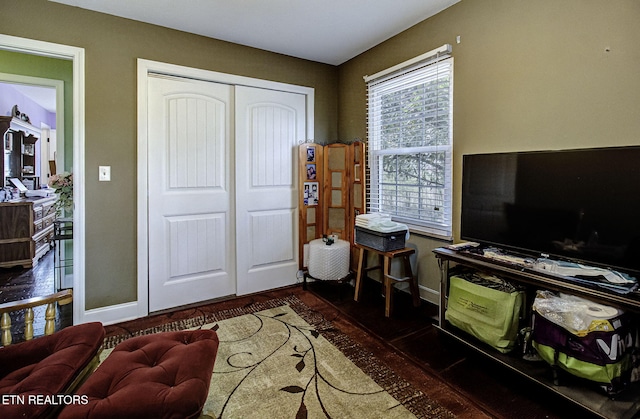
327 31
43 96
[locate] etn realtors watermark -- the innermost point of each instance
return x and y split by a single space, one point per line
43 399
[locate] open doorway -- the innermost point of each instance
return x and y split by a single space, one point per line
27 56
36 107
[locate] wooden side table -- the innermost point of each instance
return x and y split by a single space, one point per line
384 259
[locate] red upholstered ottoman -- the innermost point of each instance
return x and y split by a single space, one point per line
35 375
164 375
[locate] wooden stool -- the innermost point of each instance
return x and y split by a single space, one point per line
388 281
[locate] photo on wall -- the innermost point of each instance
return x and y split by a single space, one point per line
311 194
311 154
311 172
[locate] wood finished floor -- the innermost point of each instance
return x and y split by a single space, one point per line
19 284
409 332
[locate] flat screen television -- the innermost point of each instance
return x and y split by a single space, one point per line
581 205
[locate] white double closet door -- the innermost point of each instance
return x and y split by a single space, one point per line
222 189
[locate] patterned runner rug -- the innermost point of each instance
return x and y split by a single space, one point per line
281 359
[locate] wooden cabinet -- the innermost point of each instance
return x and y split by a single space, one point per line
27 165
26 231
626 405
20 159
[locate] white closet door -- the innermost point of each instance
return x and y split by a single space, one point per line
190 218
269 125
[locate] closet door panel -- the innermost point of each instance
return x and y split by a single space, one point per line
269 126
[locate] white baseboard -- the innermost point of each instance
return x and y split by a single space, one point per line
430 295
427 294
113 314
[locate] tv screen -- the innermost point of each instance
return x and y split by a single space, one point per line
582 205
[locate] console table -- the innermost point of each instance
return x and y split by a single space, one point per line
627 405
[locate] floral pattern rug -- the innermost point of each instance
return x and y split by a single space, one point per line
274 364
281 359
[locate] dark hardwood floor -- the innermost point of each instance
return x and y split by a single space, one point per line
411 331
18 284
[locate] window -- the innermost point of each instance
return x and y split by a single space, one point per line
410 140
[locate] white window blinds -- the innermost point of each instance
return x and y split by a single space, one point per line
410 140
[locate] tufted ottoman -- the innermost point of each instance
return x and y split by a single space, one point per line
163 375
36 374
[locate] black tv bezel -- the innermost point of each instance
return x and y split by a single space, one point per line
536 253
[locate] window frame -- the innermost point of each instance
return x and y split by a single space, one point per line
417 72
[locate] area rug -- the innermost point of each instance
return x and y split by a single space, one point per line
281 359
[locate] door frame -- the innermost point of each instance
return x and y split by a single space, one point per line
76 56
146 67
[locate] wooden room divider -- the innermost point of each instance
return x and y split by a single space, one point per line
332 185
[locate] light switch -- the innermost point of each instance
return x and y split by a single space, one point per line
105 173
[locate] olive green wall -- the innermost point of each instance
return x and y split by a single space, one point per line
112 45
528 75
46 68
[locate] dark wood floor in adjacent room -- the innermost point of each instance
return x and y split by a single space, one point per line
17 283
